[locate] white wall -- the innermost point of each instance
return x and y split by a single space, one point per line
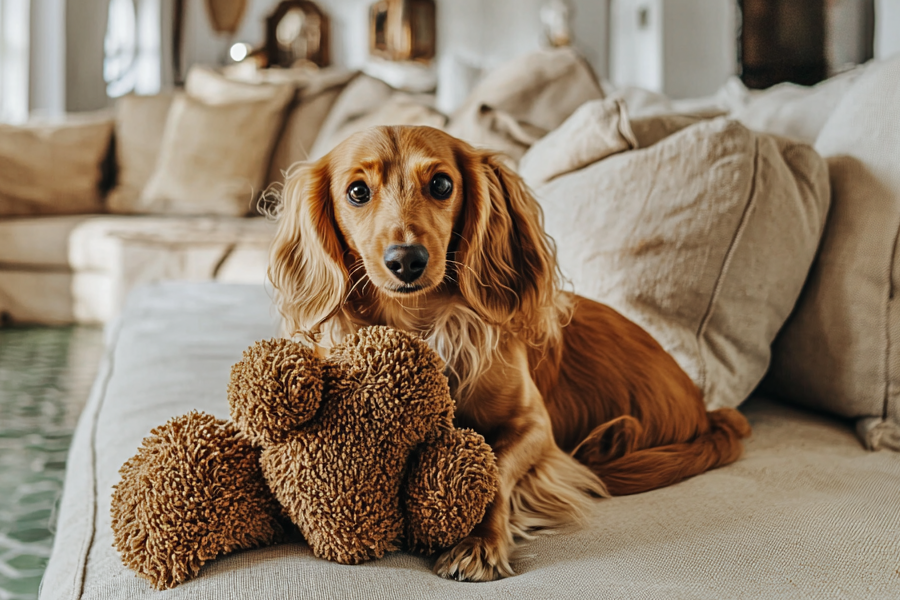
85 30
471 33
47 58
887 28
682 48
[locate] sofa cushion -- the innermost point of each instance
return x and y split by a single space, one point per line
537 91
598 129
368 102
54 169
804 513
214 158
38 242
79 268
841 349
306 116
140 123
794 110
704 239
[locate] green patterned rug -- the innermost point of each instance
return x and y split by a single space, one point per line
45 377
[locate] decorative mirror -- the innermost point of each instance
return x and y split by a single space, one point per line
297 31
403 29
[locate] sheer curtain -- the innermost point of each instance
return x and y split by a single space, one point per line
14 30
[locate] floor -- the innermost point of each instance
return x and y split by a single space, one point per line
45 378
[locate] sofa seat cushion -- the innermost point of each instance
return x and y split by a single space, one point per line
79 269
805 513
92 242
38 242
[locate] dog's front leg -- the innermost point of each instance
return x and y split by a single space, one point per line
507 408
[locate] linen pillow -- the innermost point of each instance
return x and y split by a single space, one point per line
839 351
214 157
306 116
368 102
704 239
794 110
596 130
54 168
537 91
140 122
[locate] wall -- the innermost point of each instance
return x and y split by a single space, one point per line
47 58
85 30
682 48
887 28
472 35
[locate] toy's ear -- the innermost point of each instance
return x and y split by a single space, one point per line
275 389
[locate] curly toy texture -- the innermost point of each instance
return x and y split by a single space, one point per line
194 491
359 450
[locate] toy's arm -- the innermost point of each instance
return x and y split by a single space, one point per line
450 483
275 389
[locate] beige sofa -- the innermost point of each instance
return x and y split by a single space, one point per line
186 170
766 265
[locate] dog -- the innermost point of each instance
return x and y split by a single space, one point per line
413 228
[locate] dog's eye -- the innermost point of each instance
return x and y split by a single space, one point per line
441 186
358 193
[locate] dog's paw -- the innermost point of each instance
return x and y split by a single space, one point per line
475 559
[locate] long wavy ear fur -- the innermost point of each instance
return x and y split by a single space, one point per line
305 259
509 274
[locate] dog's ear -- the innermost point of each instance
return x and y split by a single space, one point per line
508 272
306 264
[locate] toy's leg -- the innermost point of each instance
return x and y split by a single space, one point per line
194 491
450 484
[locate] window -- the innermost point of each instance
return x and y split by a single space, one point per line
120 49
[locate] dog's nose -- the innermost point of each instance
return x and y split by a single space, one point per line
406 261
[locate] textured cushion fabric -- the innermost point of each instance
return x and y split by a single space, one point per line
36 296
806 513
644 103
704 239
306 116
38 242
538 90
794 110
596 130
54 169
215 157
78 269
839 352
140 123
369 102
212 87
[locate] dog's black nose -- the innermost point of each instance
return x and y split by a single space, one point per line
406 261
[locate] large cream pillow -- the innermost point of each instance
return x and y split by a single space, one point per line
214 158
140 123
534 93
369 102
841 349
794 110
704 239
54 168
306 116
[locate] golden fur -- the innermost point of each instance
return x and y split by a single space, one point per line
575 399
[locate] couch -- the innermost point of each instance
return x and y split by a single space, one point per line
752 234
172 186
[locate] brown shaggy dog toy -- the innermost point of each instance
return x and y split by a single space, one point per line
358 450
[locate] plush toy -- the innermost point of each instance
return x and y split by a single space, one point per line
358 450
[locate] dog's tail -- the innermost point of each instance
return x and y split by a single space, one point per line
611 454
